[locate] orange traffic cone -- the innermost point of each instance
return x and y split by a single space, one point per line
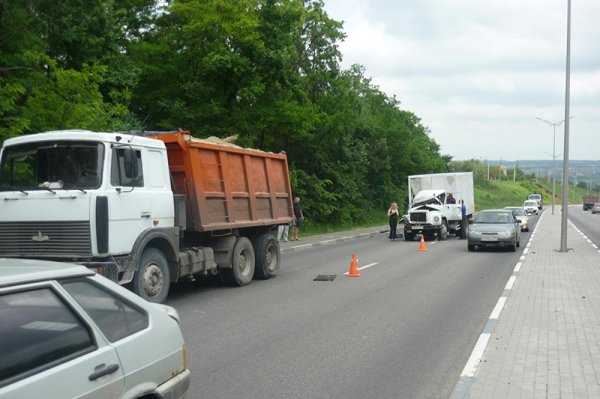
353 267
422 246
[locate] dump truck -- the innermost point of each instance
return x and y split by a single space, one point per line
146 210
589 201
432 211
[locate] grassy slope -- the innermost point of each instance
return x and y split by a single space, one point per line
498 194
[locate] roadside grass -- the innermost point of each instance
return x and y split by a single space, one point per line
373 218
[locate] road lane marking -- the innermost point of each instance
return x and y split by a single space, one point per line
476 355
498 308
511 282
518 267
364 267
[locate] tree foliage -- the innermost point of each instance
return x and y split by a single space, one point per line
266 70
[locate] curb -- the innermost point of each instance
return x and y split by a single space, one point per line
332 241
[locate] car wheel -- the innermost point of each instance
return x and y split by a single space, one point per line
471 248
242 264
152 280
513 246
268 256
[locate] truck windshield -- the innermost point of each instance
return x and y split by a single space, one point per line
59 165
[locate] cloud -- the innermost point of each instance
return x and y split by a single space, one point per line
478 72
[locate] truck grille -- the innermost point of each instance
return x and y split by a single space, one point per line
418 217
45 239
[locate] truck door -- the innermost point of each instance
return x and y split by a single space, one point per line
129 204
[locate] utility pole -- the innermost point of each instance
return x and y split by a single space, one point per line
565 192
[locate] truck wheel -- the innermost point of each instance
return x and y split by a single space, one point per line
409 237
152 280
242 262
443 231
268 256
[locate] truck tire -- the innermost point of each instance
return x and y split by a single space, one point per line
268 256
409 236
152 280
443 231
242 262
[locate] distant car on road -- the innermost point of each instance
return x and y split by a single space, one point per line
66 332
530 206
520 213
596 208
538 198
494 228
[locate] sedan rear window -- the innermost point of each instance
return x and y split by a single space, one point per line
38 331
116 318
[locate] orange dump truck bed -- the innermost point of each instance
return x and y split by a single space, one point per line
227 186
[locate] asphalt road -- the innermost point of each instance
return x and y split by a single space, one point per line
586 222
404 329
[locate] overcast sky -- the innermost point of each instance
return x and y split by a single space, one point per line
478 72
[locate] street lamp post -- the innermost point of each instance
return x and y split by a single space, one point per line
565 187
554 125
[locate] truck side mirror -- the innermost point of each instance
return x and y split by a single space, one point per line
130 163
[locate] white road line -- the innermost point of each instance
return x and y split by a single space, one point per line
367 266
510 283
364 267
526 251
518 267
476 355
522 258
594 246
498 308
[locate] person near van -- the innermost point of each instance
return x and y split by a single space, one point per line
463 220
393 214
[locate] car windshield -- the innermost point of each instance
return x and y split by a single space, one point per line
530 203
47 166
519 212
494 217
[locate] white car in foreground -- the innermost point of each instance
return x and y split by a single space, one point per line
531 206
66 332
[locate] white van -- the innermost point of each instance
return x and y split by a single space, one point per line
531 206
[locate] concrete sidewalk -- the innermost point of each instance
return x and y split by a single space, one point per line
542 340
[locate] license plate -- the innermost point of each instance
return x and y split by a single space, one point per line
489 238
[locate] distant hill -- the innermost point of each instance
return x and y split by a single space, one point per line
579 170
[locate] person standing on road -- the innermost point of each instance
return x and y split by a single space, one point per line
393 214
463 220
282 232
298 218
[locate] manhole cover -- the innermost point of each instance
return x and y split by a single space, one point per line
325 277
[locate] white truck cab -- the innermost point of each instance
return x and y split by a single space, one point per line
84 197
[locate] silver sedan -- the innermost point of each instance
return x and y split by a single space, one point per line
494 228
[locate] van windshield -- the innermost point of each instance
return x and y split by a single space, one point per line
58 165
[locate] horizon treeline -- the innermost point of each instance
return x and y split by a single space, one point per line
267 71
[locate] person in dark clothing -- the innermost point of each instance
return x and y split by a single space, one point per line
463 221
298 218
451 199
393 214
